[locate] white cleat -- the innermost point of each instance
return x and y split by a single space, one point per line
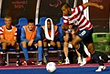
79 60
83 62
67 61
100 68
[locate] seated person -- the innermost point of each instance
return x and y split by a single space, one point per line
9 39
30 37
50 37
68 36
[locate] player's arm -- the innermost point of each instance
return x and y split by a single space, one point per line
64 27
3 40
94 5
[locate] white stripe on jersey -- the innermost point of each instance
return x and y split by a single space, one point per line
65 17
82 16
83 23
15 34
81 8
0 27
78 17
1 32
65 21
86 26
73 14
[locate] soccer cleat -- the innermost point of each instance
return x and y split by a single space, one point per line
85 60
18 63
25 63
39 63
67 61
60 62
4 63
100 68
88 59
79 60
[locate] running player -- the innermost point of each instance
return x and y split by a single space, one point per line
68 37
75 16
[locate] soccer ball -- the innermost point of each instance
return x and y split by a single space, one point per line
51 67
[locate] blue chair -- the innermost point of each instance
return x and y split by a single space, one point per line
42 21
2 22
60 29
61 22
21 23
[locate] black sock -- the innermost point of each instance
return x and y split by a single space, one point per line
46 54
18 55
81 50
96 58
4 55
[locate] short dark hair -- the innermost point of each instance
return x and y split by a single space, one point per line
66 5
31 21
48 20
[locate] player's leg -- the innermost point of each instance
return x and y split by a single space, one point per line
75 42
59 52
4 47
25 50
89 42
65 49
79 57
17 54
96 58
78 45
45 48
40 52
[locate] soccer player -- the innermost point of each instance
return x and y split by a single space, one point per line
50 37
75 16
68 37
30 37
9 39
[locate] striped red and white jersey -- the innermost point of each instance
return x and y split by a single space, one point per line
77 18
1 31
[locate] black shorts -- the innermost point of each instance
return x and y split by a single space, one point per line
86 36
56 39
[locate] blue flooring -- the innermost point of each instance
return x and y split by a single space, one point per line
83 70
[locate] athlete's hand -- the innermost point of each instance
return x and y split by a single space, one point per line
66 32
52 43
30 42
101 6
12 43
64 27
